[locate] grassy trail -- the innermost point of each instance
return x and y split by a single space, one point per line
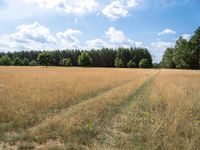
80 124
151 120
109 135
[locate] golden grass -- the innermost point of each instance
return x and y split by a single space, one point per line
166 115
27 93
99 108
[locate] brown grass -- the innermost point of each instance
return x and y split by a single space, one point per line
99 108
165 115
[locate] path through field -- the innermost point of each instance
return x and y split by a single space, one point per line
125 109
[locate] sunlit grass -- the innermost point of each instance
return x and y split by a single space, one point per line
99 108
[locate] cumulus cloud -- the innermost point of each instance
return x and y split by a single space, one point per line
160 45
38 37
116 38
115 10
30 36
67 6
119 8
115 35
33 33
167 31
132 3
98 44
186 36
68 39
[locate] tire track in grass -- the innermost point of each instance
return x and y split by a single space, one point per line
68 123
80 123
104 139
40 116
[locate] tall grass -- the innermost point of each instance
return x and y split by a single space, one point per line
90 108
166 115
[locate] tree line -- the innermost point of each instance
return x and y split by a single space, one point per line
184 55
121 57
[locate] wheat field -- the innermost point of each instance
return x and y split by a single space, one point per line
99 108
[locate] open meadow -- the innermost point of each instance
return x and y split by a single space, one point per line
61 108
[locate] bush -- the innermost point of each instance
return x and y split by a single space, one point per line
84 59
119 63
5 60
131 64
144 63
45 58
66 62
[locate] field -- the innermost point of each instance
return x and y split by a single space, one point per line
99 108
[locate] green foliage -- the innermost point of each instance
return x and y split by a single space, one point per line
167 60
119 63
131 64
45 59
124 55
84 59
33 63
66 62
181 55
5 60
184 55
156 65
104 57
25 62
17 62
144 63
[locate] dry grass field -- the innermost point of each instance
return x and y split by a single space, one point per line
99 108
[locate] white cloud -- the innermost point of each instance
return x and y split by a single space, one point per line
33 36
115 10
67 6
38 37
138 44
33 33
167 31
68 39
132 3
116 39
186 36
119 8
98 44
115 35
160 45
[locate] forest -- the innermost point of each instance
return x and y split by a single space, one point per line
121 57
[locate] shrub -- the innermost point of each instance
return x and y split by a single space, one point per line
66 62
119 63
5 60
84 59
45 58
131 64
144 63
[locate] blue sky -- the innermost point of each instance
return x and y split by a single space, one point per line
87 24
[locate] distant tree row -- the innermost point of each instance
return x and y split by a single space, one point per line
184 55
122 57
